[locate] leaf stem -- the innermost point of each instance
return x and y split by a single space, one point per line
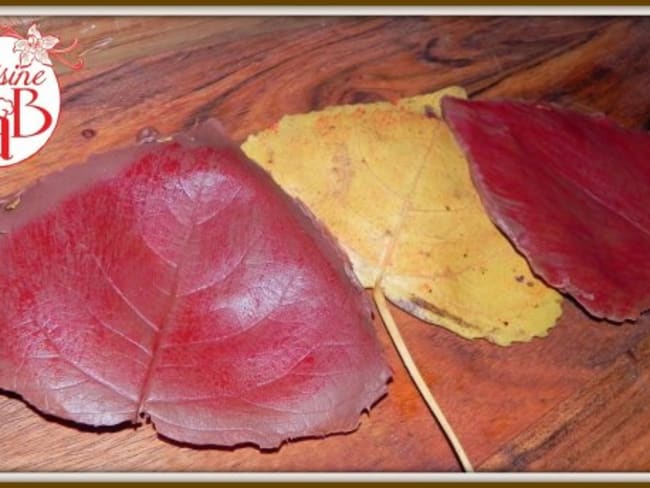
418 380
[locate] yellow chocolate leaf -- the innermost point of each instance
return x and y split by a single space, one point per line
392 185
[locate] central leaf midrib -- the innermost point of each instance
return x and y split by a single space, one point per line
173 299
403 214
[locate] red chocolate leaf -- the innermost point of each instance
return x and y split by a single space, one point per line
177 281
571 192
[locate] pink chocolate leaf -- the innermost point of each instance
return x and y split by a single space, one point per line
572 193
177 281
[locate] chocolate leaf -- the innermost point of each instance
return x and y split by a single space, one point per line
177 281
571 192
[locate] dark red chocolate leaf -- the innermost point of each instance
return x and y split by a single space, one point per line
178 281
571 192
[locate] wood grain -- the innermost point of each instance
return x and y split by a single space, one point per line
576 400
589 428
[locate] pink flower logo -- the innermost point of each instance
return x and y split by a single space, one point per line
35 47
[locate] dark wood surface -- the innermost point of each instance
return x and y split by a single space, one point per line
578 400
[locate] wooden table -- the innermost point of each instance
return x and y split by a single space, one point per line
577 400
